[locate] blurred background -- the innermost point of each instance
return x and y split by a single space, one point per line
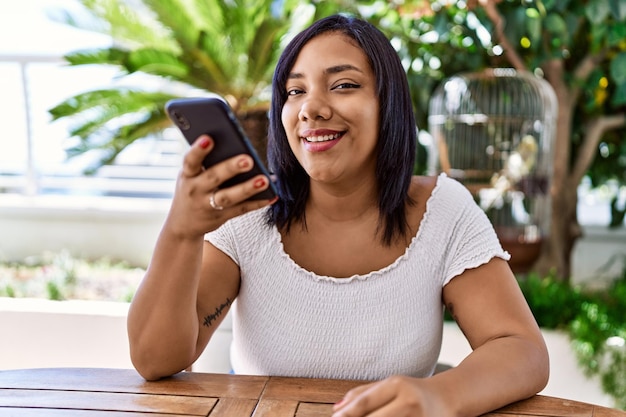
88 159
68 155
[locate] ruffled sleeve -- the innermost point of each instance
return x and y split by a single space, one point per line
223 238
472 238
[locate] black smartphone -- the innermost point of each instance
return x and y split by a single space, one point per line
213 116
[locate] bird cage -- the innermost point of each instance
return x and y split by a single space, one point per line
494 132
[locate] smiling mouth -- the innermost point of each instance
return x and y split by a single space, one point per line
323 138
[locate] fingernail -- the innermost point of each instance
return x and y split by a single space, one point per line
244 163
258 183
338 404
205 141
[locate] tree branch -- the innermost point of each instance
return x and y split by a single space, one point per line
554 72
595 130
584 69
498 22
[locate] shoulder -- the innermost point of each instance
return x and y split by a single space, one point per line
424 187
440 198
420 190
251 218
246 225
241 235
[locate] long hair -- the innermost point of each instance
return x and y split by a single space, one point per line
396 137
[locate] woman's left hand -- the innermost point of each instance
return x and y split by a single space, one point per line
396 396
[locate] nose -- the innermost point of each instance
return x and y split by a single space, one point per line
314 108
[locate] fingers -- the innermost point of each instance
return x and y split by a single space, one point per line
397 396
192 163
212 177
360 401
220 199
219 173
199 205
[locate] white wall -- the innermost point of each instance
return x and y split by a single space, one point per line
599 255
44 333
91 227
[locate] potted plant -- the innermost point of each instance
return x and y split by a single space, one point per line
189 48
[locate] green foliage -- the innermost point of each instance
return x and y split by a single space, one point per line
554 303
185 47
599 339
107 121
571 34
230 48
61 276
7 290
54 292
594 320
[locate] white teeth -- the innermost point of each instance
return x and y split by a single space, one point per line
322 138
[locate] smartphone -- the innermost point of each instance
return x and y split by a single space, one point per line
213 116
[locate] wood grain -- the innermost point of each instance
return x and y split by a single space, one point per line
106 401
308 390
100 392
275 408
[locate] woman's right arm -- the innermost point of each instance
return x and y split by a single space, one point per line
189 284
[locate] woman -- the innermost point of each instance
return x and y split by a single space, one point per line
347 273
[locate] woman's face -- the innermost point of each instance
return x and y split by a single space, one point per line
331 115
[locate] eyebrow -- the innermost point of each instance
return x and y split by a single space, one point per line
330 70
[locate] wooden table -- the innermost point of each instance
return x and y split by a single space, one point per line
100 392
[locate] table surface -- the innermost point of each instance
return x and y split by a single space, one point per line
102 392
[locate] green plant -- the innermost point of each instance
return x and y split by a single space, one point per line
598 333
189 48
230 47
61 276
54 292
554 303
594 321
7 291
578 46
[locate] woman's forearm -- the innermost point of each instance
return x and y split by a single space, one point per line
499 372
162 319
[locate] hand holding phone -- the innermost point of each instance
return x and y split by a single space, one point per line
211 115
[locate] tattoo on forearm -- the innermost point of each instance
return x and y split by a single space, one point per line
209 319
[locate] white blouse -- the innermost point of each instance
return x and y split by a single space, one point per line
291 322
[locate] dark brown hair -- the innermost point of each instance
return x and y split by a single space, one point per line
397 133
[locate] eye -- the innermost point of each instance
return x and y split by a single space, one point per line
294 92
345 86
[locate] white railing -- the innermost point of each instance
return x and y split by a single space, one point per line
32 160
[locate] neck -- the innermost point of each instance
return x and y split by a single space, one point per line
343 204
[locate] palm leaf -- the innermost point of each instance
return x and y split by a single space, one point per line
99 113
110 143
225 47
260 55
157 62
203 52
174 16
128 26
105 56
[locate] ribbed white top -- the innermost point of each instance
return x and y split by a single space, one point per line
289 321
